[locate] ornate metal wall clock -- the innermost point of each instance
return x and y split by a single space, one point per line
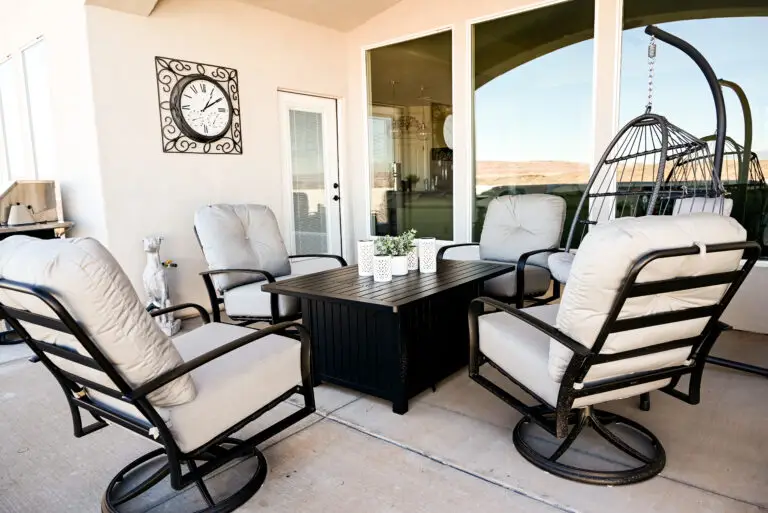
199 107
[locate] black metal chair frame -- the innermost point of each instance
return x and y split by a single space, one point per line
556 421
214 454
259 275
519 271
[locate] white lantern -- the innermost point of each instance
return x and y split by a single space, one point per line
427 255
413 258
365 251
382 268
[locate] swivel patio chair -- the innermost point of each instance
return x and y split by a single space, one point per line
244 250
518 229
640 312
76 309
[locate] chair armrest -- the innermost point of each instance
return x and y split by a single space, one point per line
338 258
202 311
187 367
442 250
267 275
536 323
523 260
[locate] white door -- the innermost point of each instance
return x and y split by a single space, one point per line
310 151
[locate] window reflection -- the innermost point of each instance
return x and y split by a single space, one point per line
533 105
411 161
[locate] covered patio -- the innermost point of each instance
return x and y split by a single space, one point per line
423 256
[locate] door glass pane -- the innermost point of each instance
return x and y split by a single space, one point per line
732 35
38 96
10 110
533 105
411 159
309 192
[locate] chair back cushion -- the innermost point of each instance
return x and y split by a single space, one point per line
93 288
603 261
521 223
719 205
241 237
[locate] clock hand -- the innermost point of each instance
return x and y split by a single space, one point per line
212 104
209 100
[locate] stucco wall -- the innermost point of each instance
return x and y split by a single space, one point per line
147 191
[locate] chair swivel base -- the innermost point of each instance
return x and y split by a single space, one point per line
650 464
114 499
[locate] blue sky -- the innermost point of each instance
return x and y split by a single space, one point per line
542 110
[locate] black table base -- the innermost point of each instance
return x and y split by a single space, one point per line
391 354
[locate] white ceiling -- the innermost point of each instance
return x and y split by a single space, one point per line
343 15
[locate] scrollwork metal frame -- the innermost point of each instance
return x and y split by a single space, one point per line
169 73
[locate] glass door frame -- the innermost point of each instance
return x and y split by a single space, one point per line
292 100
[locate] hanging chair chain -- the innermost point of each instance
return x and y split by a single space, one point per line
651 65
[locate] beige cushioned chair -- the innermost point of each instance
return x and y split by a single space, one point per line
75 307
244 250
640 311
518 229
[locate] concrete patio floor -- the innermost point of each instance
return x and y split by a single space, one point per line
453 451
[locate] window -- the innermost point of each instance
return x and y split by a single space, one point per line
732 35
39 103
12 144
533 105
411 163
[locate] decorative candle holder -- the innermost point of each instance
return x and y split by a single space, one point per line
399 265
365 252
427 255
382 268
413 258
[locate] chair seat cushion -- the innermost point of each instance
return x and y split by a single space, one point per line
229 388
560 265
536 282
250 301
522 351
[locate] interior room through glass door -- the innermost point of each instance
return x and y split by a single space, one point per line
311 173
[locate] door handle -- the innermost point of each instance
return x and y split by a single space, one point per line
335 197
335 185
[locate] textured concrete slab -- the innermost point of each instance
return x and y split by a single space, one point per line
715 450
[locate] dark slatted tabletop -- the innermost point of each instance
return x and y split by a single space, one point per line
345 284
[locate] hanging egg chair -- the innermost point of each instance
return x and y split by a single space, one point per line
652 167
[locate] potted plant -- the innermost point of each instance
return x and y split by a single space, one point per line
411 181
397 248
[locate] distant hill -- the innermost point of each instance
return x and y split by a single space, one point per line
493 173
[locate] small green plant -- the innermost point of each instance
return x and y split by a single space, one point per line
396 246
413 179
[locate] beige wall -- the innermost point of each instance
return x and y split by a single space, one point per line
62 23
147 191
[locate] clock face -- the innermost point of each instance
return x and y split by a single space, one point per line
204 108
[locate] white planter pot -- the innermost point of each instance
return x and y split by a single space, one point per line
428 255
413 258
399 265
382 268
365 251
